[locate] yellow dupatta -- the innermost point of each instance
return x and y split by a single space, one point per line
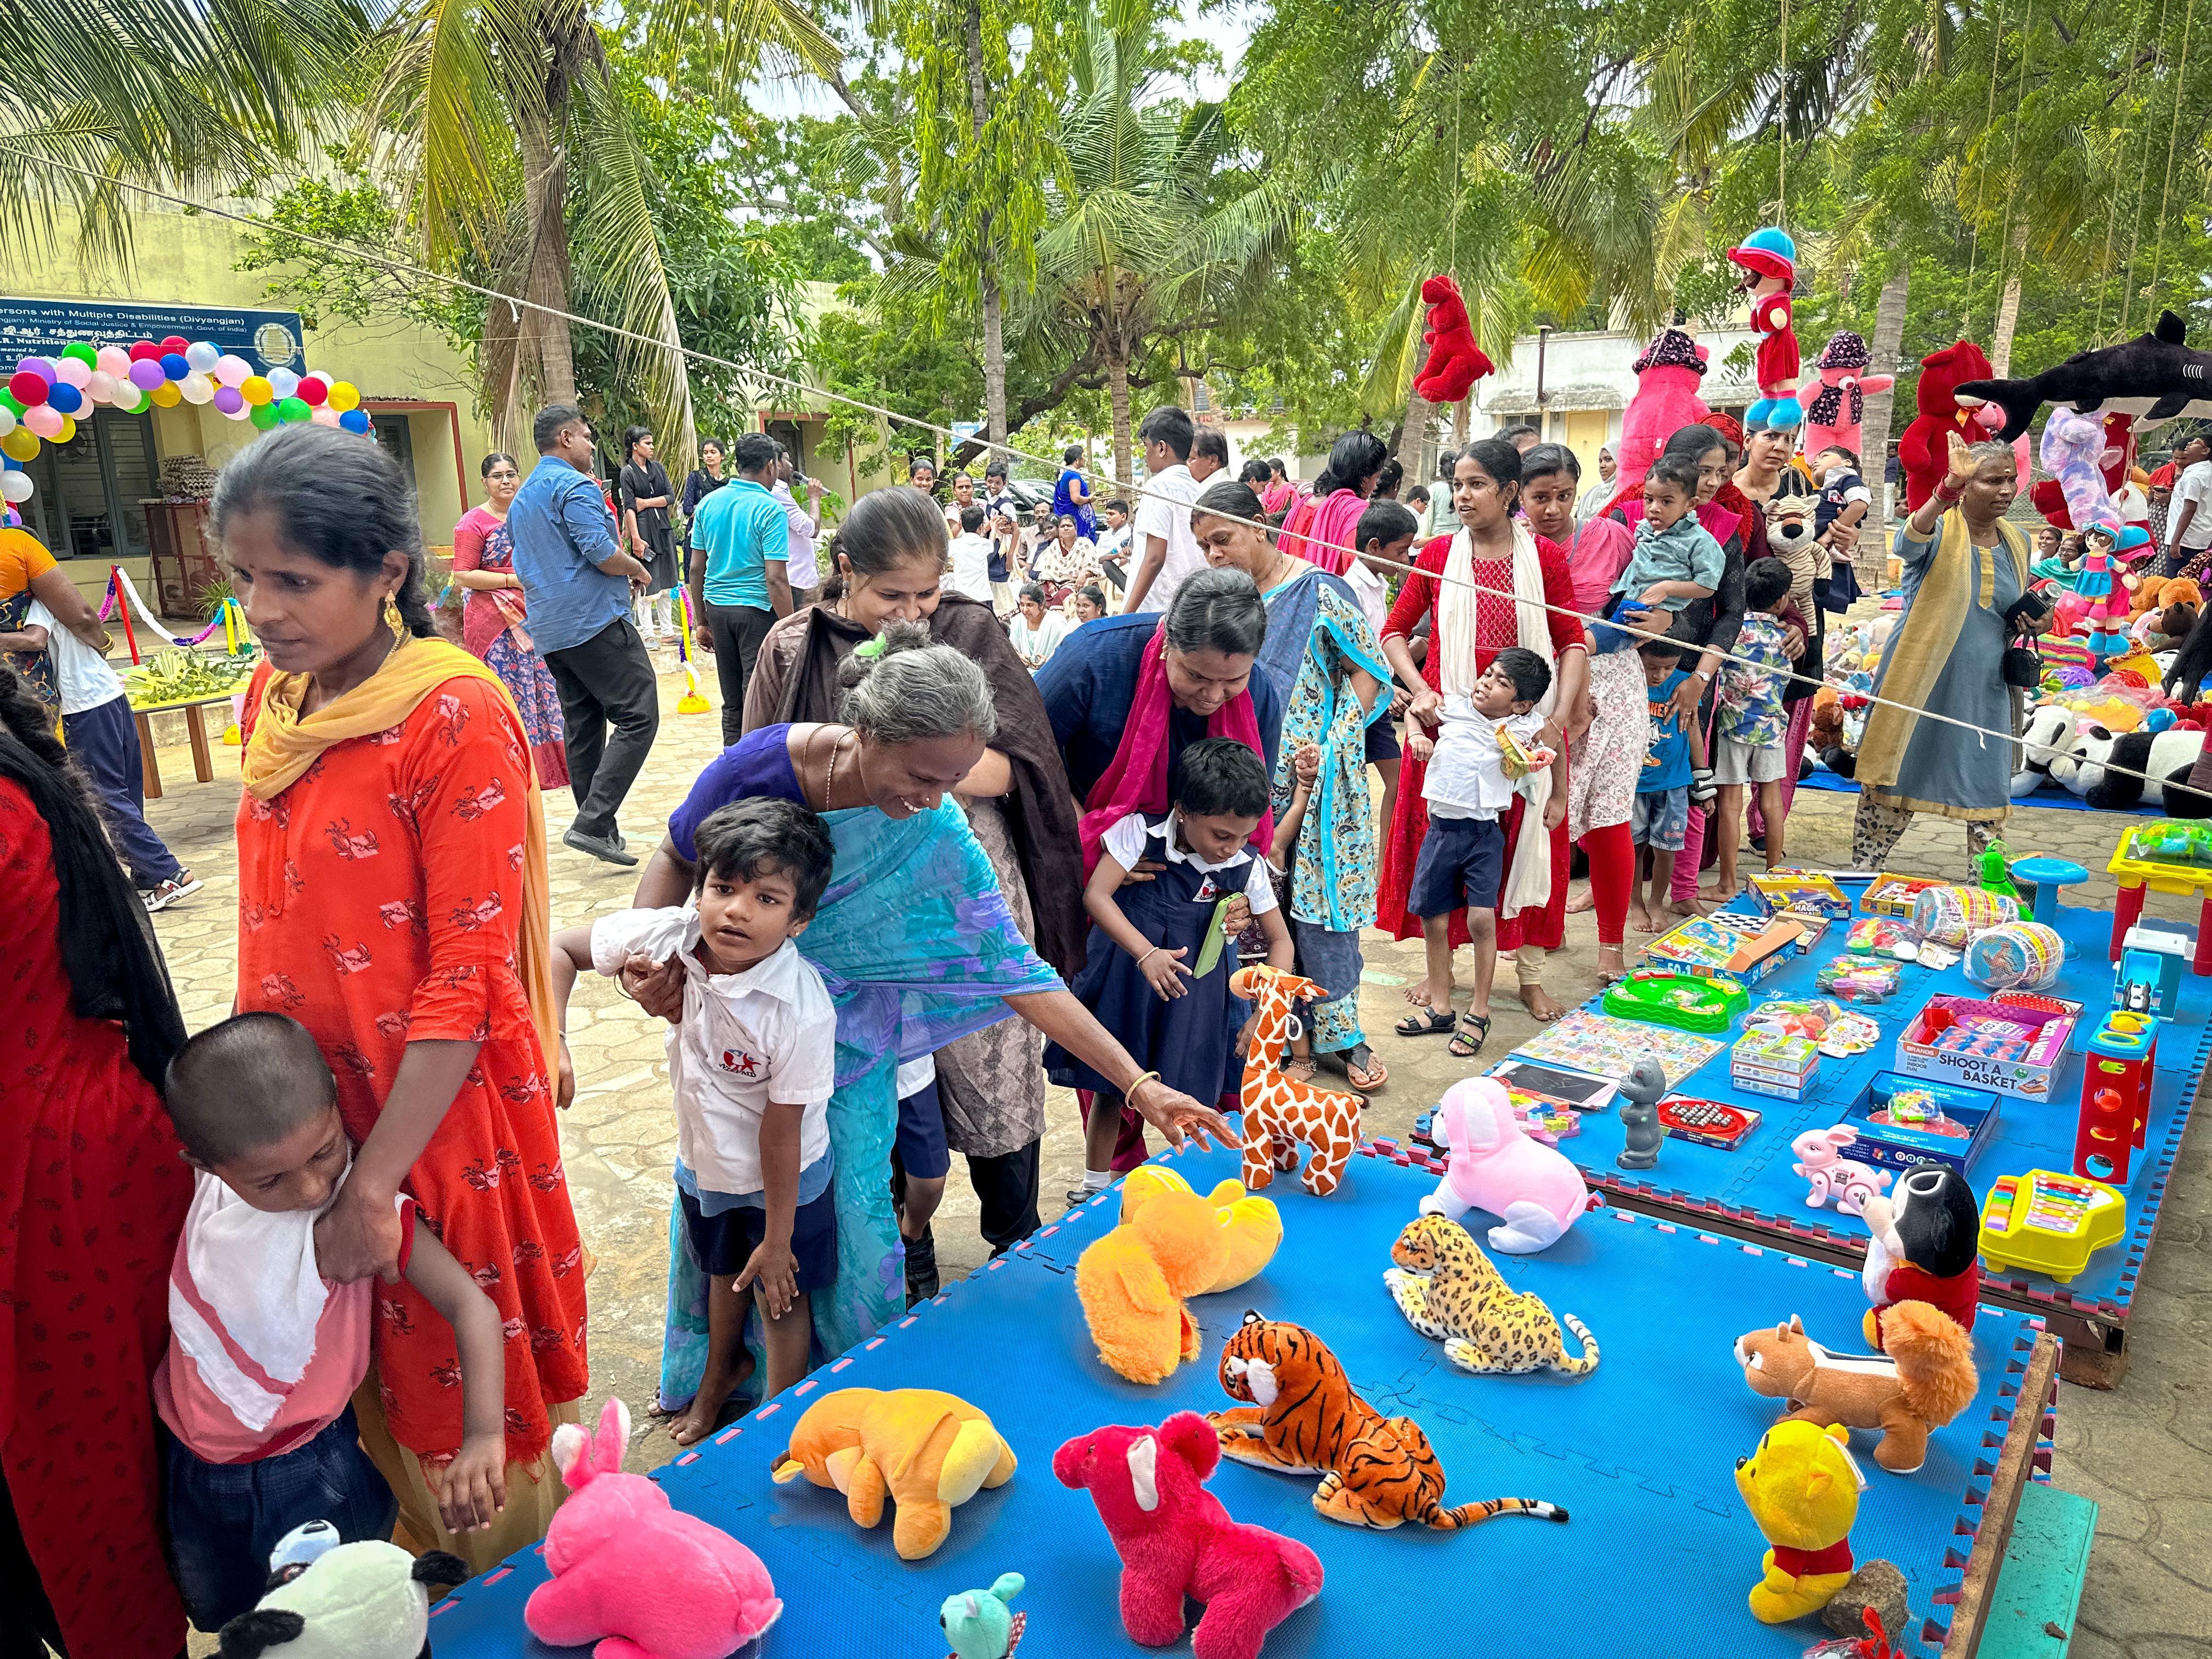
285 744
1924 642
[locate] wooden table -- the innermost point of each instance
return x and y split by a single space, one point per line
195 727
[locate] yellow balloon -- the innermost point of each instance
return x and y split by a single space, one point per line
165 395
21 445
67 431
256 389
344 395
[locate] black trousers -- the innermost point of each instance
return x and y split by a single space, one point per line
737 631
605 682
1006 1187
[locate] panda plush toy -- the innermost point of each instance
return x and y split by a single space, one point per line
2051 735
332 1600
2106 769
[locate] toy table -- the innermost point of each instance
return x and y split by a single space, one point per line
2139 877
1641 1453
1750 1192
2048 875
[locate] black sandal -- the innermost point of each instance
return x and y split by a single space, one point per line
1460 1048
1343 1062
1425 1022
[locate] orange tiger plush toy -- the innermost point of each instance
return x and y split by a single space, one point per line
1304 1419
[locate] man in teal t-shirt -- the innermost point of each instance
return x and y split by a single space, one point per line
740 539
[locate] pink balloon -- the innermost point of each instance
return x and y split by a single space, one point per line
231 369
100 386
114 361
145 373
229 399
72 371
325 416
44 420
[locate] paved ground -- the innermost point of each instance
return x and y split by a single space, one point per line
2144 1453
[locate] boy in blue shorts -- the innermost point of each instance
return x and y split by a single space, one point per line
753 1066
1661 821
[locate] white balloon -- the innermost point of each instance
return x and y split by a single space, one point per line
15 486
231 369
282 382
72 371
202 357
101 388
7 419
195 388
128 399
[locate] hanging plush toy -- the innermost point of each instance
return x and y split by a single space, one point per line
2115 466
1455 360
1770 259
1836 402
1925 451
1666 400
2154 377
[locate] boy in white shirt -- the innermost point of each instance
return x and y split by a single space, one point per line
1462 858
970 558
753 1065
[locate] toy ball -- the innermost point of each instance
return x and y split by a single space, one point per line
27 388
72 371
343 396
2024 955
354 420
231 369
145 373
1950 915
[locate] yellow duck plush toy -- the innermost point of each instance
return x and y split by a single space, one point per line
927 1451
1803 1488
1254 1226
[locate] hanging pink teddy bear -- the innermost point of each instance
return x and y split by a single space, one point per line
1835 403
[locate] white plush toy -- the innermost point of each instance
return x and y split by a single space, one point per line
2166 759
333 1601
2051 734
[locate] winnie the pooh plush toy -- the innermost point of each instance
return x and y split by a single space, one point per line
1803 1488
926 1451
1253 1226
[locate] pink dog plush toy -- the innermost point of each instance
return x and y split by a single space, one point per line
1495 1166
655 1583
1175 1540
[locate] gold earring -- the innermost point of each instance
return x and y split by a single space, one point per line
392 618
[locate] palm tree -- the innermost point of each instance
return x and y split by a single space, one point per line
1156 228
520 156
181 96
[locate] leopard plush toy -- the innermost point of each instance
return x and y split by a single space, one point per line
1304 1419
1449 1290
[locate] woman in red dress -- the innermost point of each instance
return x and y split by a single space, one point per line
94 1193
393 898
1497 551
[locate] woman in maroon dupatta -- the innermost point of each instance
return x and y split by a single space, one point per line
1319 530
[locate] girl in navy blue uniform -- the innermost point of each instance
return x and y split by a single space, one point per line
1141 977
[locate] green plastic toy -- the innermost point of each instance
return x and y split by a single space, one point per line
1996 871
1682 1000
979 1623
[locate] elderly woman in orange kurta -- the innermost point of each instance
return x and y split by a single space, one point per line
393 898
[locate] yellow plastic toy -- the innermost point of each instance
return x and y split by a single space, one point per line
1254 1226
1802 1487
692 702
2050 1222
926 1451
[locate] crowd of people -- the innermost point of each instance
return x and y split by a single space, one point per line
1000 803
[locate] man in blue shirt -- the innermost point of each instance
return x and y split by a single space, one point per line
578 583
741 583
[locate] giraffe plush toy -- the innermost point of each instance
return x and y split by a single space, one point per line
1279 1111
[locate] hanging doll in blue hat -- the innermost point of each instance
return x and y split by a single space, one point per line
1770 258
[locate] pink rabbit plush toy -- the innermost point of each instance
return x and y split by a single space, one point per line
653 1582
1495 1166
1848 1182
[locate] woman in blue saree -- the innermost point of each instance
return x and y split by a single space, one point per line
913 938
1321 656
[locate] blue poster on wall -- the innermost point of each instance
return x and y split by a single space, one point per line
39 328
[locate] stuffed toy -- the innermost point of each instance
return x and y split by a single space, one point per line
1449 1290
1278 1111
1495 1166
1793 536
2154 377
926 1451
1769 260
1455 360
1254 1226
1304 1419
1925 451
1803 1488
2114 465
1132 1284
332 1600
1835 404
1923 1246
1923 1381
1666 400
980 1624
2103 768
655 1583
1175 1540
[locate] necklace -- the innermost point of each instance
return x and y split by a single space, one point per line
829 772
1276 572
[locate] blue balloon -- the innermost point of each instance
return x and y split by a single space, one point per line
354 420
64 399
174 366
10 464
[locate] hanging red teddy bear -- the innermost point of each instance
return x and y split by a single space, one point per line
1455 360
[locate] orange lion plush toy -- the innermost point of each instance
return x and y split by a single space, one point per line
1455 360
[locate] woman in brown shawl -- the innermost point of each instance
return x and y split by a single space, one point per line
890 555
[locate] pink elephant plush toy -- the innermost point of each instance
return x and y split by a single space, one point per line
654 1583
1495 1166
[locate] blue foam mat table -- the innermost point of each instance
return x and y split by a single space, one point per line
2048 798
1752 1185
1656 1560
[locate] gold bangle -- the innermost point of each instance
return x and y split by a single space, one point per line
1141 1079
